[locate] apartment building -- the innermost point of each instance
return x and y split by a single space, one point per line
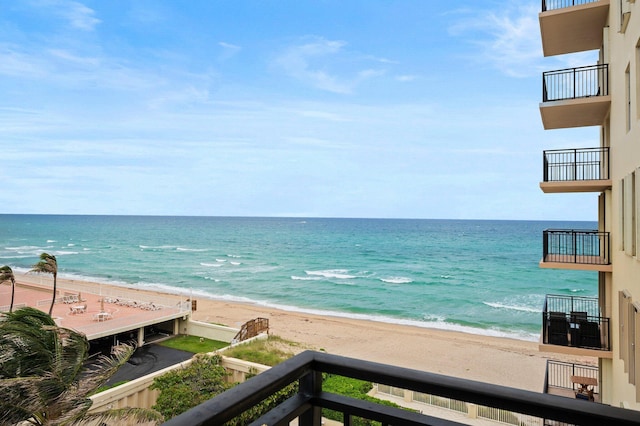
605 94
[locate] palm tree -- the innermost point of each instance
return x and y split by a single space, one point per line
48 265
6 274
45 378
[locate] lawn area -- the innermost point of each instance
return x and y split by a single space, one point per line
270 351
194 344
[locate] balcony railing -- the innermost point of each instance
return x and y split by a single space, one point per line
561 4
576 246
566 165
573 83
558 378
574 322
306 406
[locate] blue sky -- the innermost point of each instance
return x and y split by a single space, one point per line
328 108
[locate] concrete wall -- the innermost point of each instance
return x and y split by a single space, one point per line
203 329
136 393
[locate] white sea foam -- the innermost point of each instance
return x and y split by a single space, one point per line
512 307
221 260
63 253
211 265
332 273
294 277
233 255
190 249
51 241
396 280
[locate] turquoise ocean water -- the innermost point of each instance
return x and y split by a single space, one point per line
480 277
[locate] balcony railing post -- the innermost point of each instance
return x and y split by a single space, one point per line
311 385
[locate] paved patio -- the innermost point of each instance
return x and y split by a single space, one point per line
36 291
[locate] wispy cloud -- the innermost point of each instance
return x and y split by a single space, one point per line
327 65
77 15
509 39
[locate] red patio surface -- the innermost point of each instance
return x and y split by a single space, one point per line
36 291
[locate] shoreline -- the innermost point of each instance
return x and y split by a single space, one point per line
201 295
499 360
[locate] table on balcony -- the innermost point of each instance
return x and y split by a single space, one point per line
584 392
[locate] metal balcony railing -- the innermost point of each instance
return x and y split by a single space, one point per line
306 406
573 83
575 322
561 4
566 165
558 375
576 246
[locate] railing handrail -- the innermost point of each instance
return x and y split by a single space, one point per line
564 296
564 4
575 231
308 367
574 69
600 148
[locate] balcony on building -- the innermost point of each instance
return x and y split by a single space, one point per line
574 325
575 97
585 250
576 170
305 406
572 380
568 26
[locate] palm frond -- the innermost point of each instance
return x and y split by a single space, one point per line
136 415
6 274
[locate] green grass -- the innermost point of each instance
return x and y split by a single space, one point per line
194 344
270 351
353 388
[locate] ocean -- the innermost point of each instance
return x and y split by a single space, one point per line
476 276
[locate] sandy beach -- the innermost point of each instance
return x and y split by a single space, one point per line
502 361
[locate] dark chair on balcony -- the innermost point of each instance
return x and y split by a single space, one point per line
577 316
589 336
558 329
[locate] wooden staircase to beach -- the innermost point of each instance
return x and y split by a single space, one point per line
252 328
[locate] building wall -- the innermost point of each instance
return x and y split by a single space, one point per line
622 130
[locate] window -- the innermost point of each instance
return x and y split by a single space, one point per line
629 215
631 336
627 82
625 14
636 210
636 324
621 202
638 79
624 301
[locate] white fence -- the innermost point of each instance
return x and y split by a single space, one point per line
471 411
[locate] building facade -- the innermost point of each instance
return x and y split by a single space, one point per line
605 94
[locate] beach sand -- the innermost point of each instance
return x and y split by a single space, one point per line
496 360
